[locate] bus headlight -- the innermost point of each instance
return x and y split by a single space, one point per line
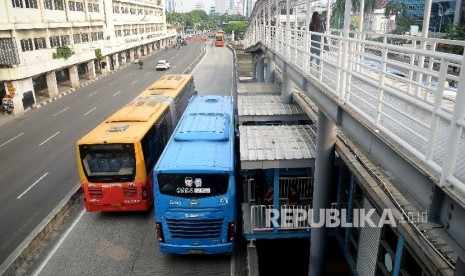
160 236
231 231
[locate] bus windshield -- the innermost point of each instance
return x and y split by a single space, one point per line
108 162
219 38
192 185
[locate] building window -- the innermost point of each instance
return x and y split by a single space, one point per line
100 35
118 33
64 40
71 6
59 5
132 10
76 38
48 4
90 7
54 41
93 36
26 45
79 6
96 8
116 9
31 4
39 43
17 3
85 38
387 251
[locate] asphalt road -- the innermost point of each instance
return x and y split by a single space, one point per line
110 243
37 151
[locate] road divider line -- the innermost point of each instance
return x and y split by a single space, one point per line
49 138
147 73
60 242
91 94
116 93
30 187
63 110
11 139
85 114
134 82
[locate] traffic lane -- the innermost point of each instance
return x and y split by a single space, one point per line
214 74
75 109
29 152
122 244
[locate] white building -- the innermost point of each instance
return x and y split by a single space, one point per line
171 5
102 34
222 6
199 6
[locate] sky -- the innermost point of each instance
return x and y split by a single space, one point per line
188 5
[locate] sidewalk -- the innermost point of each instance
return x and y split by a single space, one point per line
63 90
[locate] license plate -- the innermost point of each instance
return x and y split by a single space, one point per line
195 251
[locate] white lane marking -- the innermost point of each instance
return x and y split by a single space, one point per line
60 242
11 139
148 73
63 110
116 93
134 82
92 94
89 111
49 138
111 83
30 187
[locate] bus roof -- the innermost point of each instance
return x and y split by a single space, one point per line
130 123
203 139
127 125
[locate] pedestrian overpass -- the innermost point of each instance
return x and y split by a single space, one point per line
391 106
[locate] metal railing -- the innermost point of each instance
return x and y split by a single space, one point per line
304 186
288 218
404 85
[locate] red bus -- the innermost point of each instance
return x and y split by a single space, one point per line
219 39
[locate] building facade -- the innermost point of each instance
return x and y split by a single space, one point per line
47 46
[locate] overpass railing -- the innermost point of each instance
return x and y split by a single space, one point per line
408 87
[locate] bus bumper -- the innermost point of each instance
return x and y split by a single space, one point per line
98 207
210 249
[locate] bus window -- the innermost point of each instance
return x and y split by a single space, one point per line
193 185
108 162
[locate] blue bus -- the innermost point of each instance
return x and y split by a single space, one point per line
194 194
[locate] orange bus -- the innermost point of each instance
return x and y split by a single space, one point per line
116 159
219 39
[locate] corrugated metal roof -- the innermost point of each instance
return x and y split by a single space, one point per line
258 88
265 105
277 146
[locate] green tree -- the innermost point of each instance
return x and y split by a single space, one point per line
238 27
455 32
338 9
400 10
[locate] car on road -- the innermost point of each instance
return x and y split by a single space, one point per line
162 65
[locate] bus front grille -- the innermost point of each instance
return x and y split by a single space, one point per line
129 191
95 193
195 228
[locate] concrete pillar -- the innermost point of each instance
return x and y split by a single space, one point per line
286 89
252 260
270 71
123 57
106 60
260 68
73 76
324 163
91 69
254 66
52 86
149 49
115 61
131 56
138 53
